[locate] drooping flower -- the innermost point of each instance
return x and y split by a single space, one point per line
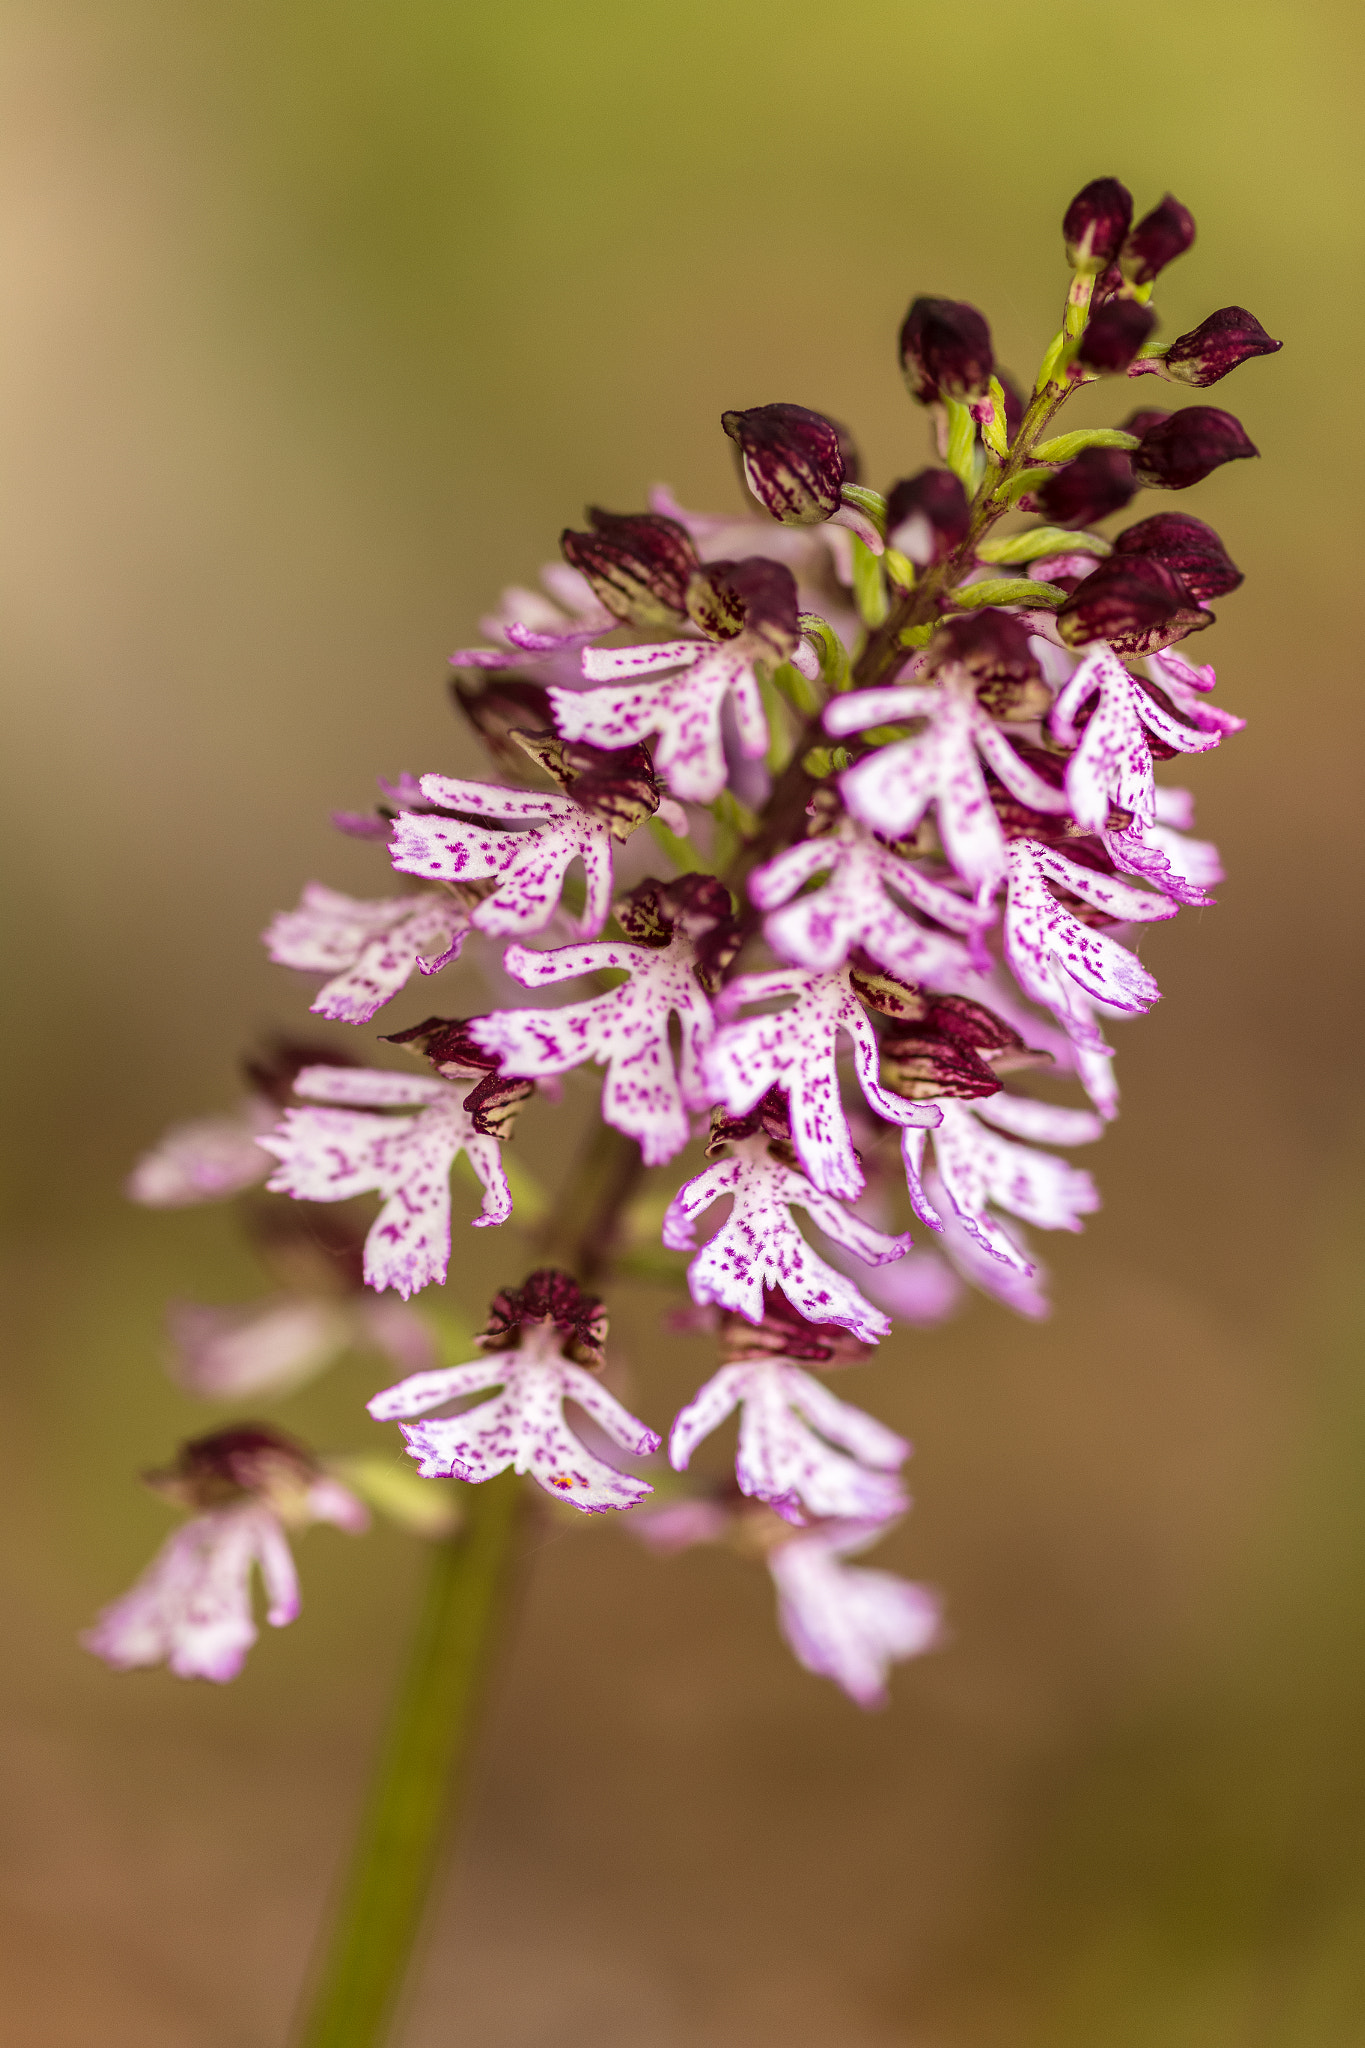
646 1094
352 1148
1112 764
368 949
192 1607
676 689
759 1246
1052 954
978 1168
789 1427
856 907
528 865
539 1339
797 1049
843 1621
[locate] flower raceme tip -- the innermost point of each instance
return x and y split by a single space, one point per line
827 830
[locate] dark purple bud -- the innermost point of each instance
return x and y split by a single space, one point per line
1096 483
493 1102
793 460
754 597
638 564
993 646
1159 237
1114 334
551 1297
1135 603
946 351
1095 224
1187 446
250 1460
927 516
1217 345
1186 545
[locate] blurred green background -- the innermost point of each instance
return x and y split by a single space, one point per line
319 322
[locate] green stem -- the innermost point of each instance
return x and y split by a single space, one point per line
417 1778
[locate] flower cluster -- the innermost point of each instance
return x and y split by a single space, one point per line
814 829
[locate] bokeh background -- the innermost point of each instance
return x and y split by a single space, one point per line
319 321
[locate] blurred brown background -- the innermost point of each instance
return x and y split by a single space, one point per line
319 321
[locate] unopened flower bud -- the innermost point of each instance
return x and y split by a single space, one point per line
946 351
754 597
793 460
1114 334
1187 446
1135 603
1095 224
1159 237
927 516
1186 545
1096 483
1217 345
638 564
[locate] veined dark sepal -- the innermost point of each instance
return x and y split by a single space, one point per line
638 564
794 460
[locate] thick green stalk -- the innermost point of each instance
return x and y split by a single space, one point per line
418 1777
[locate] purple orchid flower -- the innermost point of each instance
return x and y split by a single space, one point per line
351 1148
